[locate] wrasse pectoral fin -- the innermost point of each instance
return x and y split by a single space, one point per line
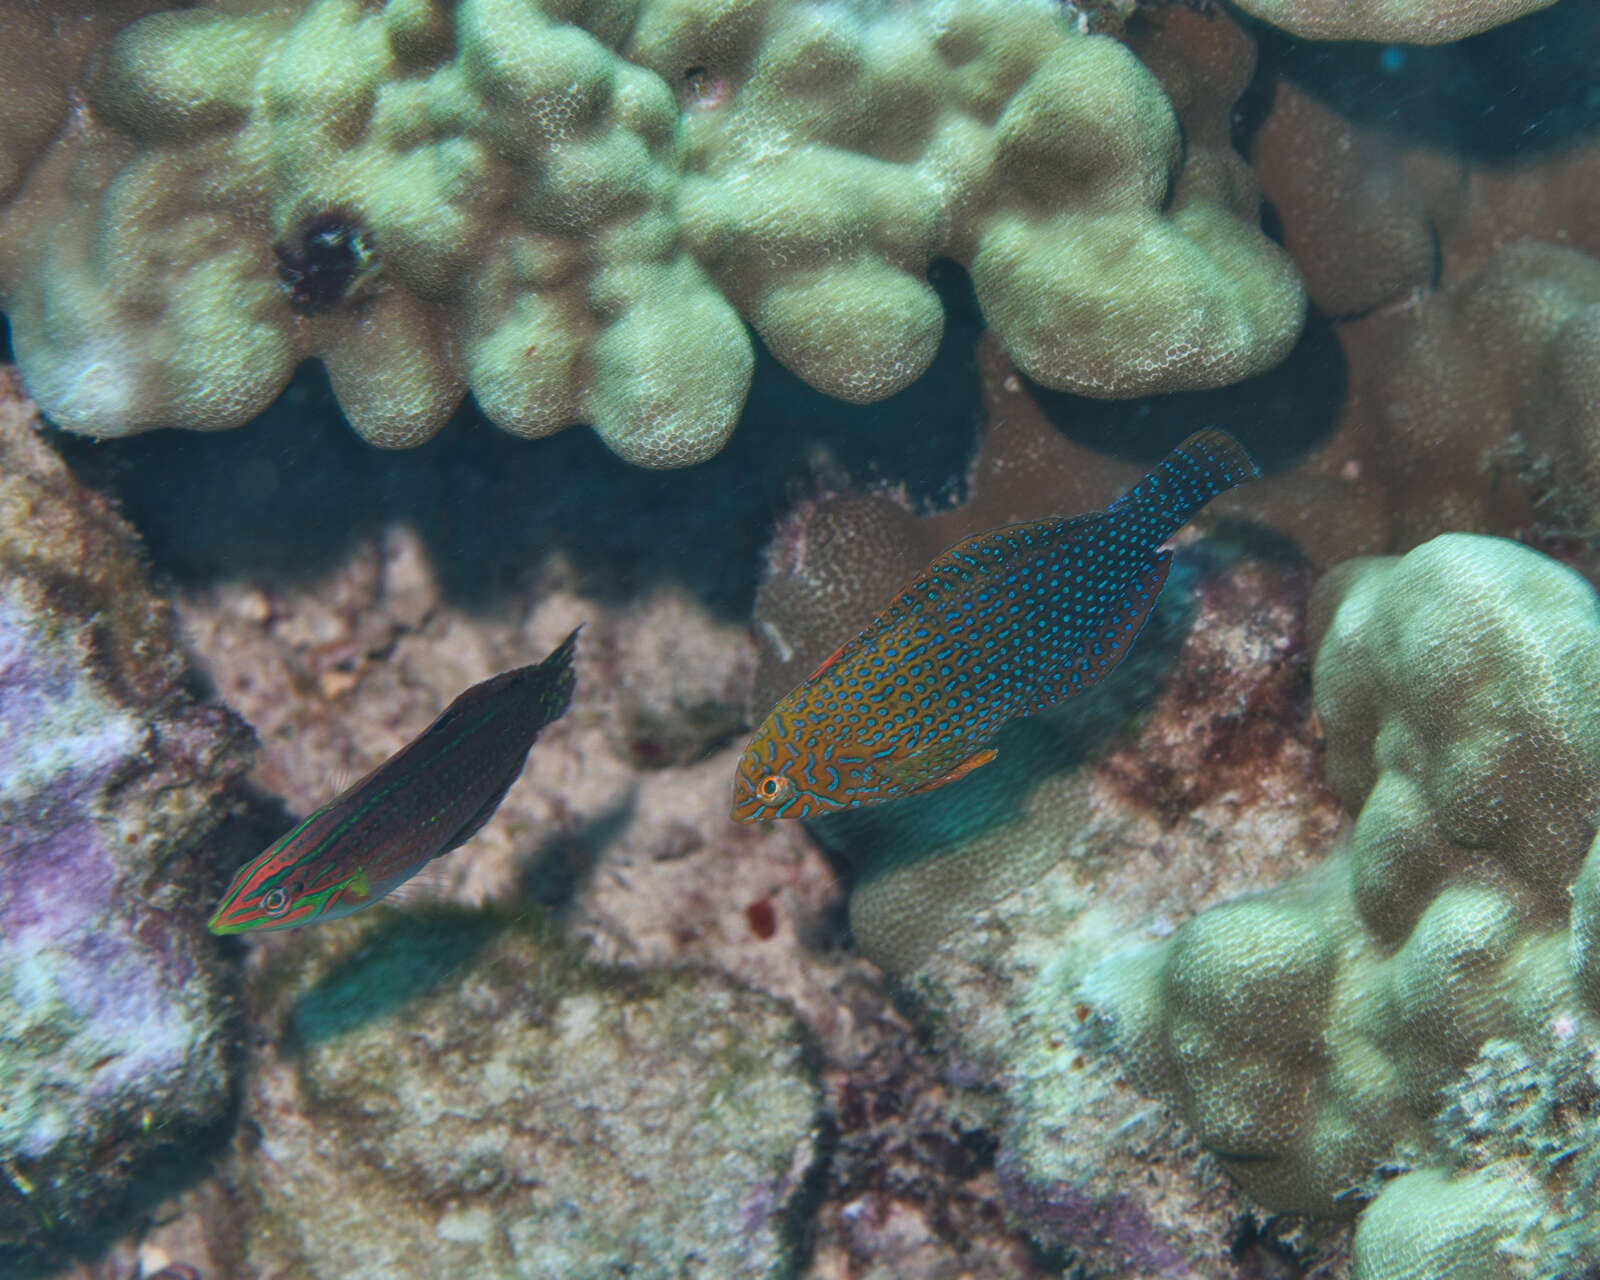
356 887
949 762
963 769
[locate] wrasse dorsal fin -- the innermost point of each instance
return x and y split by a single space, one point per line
969 565
828 661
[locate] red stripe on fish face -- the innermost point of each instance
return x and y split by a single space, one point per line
291 883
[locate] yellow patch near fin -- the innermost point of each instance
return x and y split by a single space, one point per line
357 886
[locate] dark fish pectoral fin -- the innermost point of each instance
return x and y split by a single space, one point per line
476 822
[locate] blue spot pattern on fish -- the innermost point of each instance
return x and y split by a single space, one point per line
1003 624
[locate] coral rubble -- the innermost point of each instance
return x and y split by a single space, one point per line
113 780
567 212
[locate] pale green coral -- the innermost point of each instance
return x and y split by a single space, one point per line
1313 1034
1427 1226
568 209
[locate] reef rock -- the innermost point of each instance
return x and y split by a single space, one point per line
453 1093
113 780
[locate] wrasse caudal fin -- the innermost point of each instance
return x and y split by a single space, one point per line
1208 463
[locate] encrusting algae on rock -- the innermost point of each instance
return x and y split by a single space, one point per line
116 1028
503 1108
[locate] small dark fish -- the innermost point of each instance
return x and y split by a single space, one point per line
1003 624
430 797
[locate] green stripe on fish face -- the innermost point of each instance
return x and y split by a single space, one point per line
281 888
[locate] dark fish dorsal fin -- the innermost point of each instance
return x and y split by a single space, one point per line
1113 636
1206 464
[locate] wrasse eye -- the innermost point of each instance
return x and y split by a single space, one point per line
775 788
275 903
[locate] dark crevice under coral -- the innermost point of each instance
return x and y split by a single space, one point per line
284 498
1505 95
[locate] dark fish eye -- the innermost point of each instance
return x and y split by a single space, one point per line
276 902
775 787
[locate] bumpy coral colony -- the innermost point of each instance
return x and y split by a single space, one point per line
566 210
1411 1002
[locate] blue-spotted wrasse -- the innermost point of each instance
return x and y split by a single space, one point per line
1003 624
430 797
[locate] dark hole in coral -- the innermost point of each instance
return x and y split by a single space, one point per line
328 254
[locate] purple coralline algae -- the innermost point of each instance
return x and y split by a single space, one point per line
112 778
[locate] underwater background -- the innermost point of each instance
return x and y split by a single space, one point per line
1274 954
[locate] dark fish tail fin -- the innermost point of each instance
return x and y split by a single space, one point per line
549 693
555 679
1206 464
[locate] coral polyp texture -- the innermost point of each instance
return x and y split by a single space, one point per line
1425 999
566 210
1405 21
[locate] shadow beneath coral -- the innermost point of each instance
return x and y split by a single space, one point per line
1279 416
1515 93
284 497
